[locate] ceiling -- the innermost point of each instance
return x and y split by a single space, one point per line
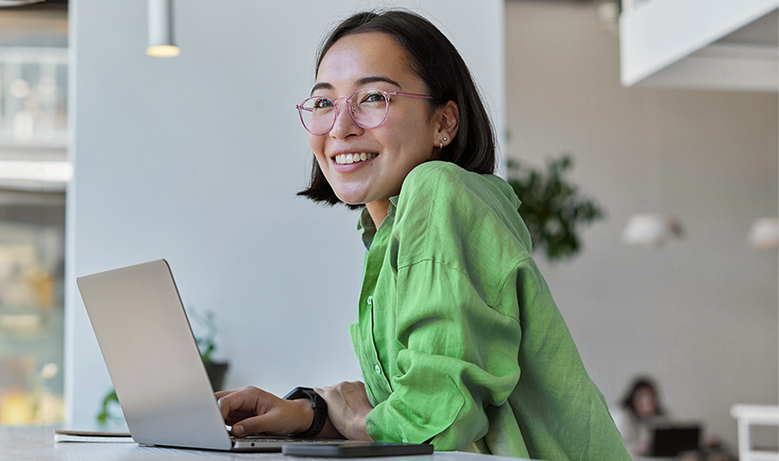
763 32
40 24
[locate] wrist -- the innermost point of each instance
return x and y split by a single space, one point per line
359 429
318 409
306 414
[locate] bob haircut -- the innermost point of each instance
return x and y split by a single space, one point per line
641 382
437 63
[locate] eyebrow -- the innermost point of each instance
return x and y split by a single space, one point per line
360 82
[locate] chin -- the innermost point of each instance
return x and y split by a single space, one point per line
350 195
349 200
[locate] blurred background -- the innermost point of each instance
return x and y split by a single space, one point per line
109 157
34 171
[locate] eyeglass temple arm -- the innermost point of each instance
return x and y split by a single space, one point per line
410 95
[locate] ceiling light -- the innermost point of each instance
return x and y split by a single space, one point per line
764 233
652 230
608 11
161 43
36 171
4 3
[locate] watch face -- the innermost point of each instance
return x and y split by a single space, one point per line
301 392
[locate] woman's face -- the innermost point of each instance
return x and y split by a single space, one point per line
407 138
645 403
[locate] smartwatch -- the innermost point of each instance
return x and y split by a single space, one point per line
317 403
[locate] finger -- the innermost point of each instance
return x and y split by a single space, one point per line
242 400
221 394
238 416
266 423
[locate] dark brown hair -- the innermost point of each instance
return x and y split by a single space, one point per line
446 77
641 382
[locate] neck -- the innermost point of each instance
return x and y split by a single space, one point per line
378 210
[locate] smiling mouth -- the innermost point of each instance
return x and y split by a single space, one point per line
346 159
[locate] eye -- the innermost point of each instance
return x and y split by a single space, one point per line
321 103
368 97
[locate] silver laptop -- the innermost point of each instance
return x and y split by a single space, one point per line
155 364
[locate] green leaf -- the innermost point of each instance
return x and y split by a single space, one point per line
552 208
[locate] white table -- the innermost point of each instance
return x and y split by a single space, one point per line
31 443
746 415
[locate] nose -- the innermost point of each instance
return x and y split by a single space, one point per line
344 125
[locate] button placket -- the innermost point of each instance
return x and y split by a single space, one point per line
377 382
377 366
380 377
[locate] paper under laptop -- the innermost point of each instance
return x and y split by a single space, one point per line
155 364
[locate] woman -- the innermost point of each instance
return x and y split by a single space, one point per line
641 414
458 338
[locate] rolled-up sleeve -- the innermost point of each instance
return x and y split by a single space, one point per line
456 355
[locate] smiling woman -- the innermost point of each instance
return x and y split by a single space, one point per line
398 133
458 337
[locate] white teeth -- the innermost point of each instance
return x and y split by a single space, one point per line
346 159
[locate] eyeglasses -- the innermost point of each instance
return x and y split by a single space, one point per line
367 108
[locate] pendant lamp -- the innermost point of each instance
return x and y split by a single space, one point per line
764 233
652 229
161 43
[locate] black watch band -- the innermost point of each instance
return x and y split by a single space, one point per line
317 403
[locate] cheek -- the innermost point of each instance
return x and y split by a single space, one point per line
318 146
316 143
406 136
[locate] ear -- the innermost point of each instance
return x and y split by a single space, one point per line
448 124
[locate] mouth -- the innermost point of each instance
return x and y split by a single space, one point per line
347 159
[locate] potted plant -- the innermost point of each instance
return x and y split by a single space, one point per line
552 208
216 370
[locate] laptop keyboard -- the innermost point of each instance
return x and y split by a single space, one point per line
271 439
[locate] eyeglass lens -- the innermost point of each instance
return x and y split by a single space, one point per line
368 108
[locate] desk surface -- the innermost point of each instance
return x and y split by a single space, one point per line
37 443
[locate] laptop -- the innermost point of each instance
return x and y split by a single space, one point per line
669 441
155 364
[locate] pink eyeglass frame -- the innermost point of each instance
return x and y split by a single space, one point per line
387 95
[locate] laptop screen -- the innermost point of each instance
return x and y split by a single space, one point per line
670 441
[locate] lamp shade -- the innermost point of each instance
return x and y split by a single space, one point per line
764 233
652 230
161 43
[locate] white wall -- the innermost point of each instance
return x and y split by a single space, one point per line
197 159
701 315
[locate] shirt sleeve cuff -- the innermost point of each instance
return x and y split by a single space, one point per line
396 421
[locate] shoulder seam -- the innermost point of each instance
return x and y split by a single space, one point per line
491 303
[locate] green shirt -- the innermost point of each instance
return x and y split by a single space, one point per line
458 337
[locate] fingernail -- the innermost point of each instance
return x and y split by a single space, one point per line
238 431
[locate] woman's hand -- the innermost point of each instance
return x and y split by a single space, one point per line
347 407
252 411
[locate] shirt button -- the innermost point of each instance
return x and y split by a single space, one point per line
378 369
370 300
